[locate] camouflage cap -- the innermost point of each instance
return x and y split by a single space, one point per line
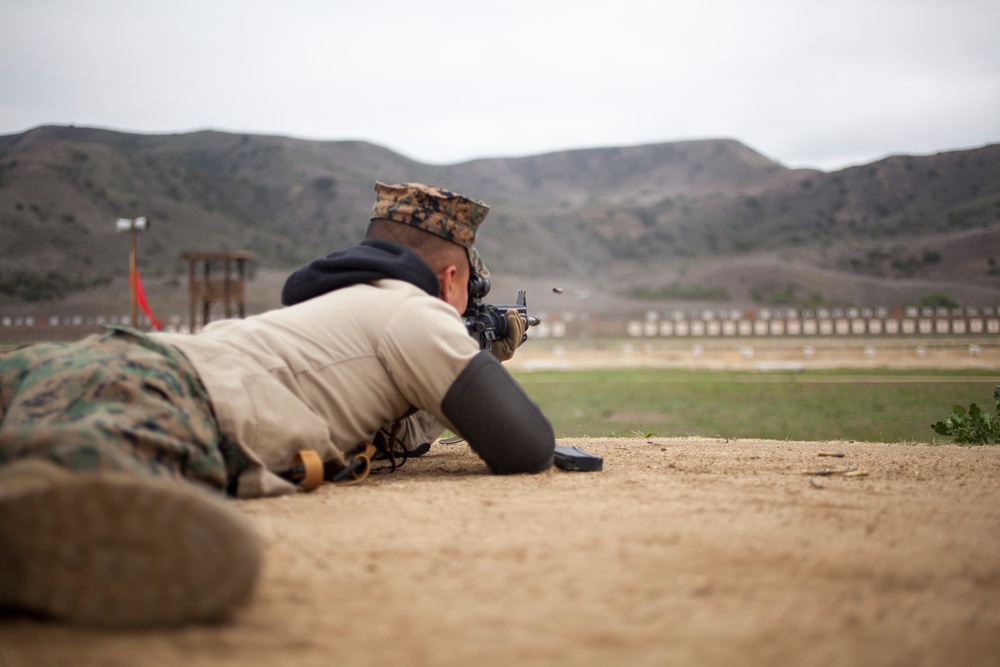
435 210
477 264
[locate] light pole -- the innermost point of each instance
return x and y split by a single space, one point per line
132 225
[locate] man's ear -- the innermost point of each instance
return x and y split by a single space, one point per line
446 280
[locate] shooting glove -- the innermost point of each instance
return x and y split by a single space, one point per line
504 349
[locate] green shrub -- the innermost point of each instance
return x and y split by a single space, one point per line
675 290
973 427
938 300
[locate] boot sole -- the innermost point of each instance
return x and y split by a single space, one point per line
118 551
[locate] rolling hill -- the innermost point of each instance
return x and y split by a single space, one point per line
708 222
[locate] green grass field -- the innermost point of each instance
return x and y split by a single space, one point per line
875 406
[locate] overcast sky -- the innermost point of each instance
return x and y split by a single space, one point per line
819 83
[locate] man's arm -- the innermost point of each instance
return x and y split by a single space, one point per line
502 425
416 431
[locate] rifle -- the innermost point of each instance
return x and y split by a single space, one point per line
488 322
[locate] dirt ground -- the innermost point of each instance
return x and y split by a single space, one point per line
685 551
681 551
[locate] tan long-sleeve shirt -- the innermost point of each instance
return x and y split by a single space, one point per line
327 373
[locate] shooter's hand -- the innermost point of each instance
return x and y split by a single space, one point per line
504 349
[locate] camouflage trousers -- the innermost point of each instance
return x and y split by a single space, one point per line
118 400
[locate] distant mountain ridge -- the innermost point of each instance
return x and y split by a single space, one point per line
656 215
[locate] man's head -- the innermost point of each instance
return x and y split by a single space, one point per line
440 226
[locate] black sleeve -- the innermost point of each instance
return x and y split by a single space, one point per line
503 426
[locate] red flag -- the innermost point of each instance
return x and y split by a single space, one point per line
140 298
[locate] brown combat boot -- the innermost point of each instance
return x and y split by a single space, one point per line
116 550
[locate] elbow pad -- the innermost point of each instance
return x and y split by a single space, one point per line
502 425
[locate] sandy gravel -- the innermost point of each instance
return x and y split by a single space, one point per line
682 551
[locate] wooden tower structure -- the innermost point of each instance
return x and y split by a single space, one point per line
221 279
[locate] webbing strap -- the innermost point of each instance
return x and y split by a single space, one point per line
390 446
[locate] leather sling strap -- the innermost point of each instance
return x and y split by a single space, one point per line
309 471
312 464
359 467
308 468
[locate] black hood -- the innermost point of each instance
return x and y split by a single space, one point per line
370 261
